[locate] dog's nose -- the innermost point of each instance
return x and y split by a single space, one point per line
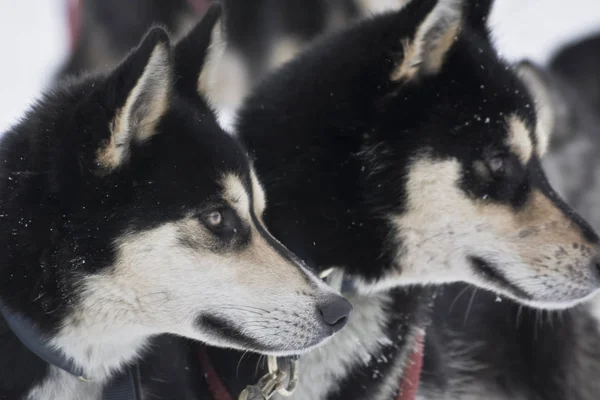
335 312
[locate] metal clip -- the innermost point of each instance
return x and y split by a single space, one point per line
273 382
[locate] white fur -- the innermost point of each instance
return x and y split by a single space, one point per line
354 345
224 80
64 386
542 96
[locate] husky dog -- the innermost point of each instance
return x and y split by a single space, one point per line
403 152
126 213
482 346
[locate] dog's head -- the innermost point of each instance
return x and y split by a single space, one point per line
448 143
128 212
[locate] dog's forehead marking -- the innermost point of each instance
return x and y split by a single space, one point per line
519 138
236 194
258 194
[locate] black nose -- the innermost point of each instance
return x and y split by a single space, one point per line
335 312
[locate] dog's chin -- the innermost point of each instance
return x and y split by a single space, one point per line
490 276
220 333
559 302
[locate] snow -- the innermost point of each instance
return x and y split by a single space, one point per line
33 40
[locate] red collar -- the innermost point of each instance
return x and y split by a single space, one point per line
408 386
412 372
74 12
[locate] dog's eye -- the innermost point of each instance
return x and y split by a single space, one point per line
214 219
222 222
497 166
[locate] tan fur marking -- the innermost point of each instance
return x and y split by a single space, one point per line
544 105
258 193
284 49
519 140
236 195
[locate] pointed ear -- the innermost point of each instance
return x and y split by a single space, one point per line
424 54
196 53
536 81
142 86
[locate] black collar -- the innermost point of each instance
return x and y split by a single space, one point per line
125 386
30 335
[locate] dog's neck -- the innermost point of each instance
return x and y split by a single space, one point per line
100 354
74 364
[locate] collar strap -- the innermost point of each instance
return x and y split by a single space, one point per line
31 337
125 386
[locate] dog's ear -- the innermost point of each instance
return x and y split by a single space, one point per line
539 88
140 90
425 52
198 52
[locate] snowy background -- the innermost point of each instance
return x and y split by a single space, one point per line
33 39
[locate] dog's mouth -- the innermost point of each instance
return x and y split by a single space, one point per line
492 274
229 334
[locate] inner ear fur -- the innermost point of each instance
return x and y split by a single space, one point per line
198 51
145 84
425 53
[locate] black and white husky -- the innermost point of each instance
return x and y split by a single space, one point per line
401 152
127 213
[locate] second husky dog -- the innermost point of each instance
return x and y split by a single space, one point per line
484 347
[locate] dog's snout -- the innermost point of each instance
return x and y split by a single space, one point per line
335 312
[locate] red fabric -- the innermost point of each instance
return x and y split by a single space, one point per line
215 385
412 374
199 6
74 21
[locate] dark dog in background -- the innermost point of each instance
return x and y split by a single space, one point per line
261 35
